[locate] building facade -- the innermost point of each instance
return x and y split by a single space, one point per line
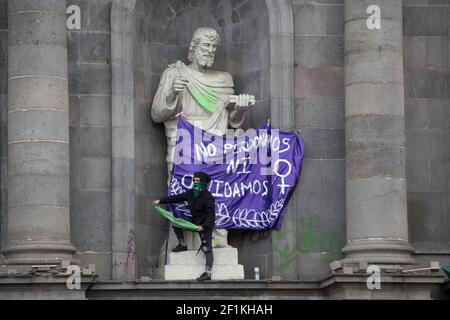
369 90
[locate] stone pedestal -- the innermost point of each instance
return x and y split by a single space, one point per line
188 265
377 224
38 221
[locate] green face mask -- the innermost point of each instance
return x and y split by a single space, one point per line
198 188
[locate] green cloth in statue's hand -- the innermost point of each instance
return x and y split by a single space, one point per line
447 271
176 222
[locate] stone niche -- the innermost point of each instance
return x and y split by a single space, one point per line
163 31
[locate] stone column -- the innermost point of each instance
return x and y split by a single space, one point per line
38 224
377 225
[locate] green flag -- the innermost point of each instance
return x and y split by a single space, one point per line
447 270
177 222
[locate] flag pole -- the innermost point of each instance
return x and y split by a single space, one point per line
167 243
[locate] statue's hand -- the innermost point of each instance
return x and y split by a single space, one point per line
243 102
179 85
181 114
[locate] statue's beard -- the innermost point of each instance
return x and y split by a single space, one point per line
204 61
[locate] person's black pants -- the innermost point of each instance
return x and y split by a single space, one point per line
206 238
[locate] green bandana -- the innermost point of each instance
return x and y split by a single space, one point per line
198 188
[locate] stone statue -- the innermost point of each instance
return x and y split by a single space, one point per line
206 95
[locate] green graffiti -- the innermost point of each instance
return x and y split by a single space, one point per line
331 244
279 236
285 253
309 240
287 257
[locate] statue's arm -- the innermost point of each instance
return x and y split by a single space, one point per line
165 102
236 118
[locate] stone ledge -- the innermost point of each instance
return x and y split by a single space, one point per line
43 287
333 287
393 287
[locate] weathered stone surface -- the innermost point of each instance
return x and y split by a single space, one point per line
33 221
38 184
45 158
95 111
90 142
38 92
95 48
101 260
385 199
39 124
90 220
36 28
27 190
314 51
49 60
91 174
25 5
377 224
319 82
425 20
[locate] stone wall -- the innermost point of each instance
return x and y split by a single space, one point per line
90 134
427 107
319 113
3 119
150 142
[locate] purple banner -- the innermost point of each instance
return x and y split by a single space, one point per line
253 174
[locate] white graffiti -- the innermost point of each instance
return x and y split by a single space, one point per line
176 188
249 218
279 174
222 214
241 217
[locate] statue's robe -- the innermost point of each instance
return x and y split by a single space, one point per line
204 101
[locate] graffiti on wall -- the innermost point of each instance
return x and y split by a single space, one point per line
310 235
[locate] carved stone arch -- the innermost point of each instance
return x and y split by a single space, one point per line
123 29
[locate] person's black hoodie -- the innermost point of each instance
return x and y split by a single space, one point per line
202 208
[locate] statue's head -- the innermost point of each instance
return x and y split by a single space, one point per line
203 46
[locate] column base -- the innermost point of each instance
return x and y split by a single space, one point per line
382 251
39 252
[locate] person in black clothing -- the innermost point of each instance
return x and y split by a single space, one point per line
202 206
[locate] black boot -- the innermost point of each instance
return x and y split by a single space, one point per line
179 248
204 276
